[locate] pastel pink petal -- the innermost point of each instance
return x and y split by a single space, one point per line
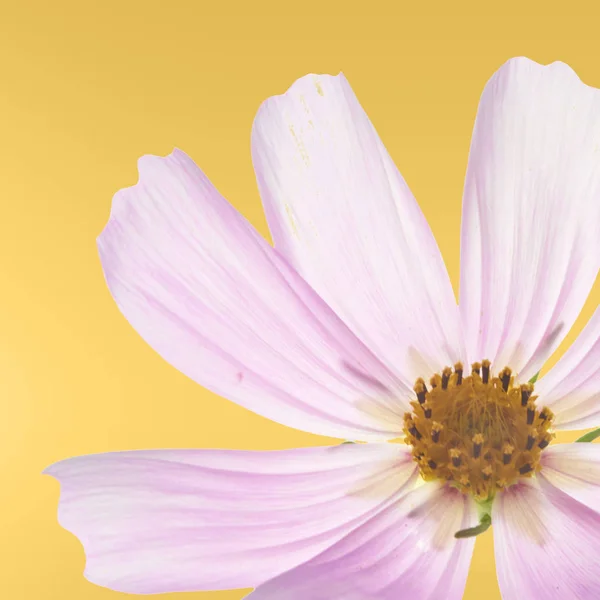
574 469
572 387
340 212
216 301
182 520
530 246
546 544
407 550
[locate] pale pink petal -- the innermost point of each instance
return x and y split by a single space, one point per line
531 214
575 469
216 301
547 544
177 520
341 213
572 387
406 551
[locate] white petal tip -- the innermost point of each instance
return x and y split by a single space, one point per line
522 63
148 166
311 85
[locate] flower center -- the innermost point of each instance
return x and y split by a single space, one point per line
480 433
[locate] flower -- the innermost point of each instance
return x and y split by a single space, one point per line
348 328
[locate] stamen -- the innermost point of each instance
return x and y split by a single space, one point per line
544 443
475 368
427 410
526 390
531 439
414 431
420 390
486 473
530 412
436 429
432 464
455 456
446 377
505 378
507 452
458 369
485 365
526 468
477 440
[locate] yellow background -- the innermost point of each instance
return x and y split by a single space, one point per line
88 87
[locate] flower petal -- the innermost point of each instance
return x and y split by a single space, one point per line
531 214
546 543
216 301
406 551
180 520
341 213
572 387
575 469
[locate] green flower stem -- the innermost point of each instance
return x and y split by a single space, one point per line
485 520
590 436
484 525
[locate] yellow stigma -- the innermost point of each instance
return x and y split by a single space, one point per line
480 433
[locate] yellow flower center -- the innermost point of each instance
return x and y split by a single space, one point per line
480 433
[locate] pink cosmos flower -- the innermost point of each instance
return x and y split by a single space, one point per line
347 328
